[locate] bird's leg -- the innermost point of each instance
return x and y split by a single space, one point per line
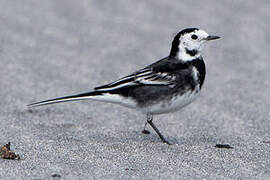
150 121
144 131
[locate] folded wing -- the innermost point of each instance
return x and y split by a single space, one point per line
145 76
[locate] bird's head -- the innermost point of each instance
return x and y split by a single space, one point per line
188 43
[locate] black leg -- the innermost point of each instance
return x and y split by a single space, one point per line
150 121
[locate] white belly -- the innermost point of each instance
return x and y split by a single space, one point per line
173 105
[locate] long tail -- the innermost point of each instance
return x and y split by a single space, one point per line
83 96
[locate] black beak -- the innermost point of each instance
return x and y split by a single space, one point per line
211 37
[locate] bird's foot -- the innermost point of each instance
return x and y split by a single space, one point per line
145 131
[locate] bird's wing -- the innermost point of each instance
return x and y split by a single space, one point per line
144 76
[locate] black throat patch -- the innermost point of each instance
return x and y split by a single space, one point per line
191 52
200 66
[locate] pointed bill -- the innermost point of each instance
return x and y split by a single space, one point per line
211 37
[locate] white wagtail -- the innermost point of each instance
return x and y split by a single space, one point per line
162 87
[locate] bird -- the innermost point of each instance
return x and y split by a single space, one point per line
164 86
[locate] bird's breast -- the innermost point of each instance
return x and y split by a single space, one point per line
175 103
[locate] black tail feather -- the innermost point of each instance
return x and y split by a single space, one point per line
82 96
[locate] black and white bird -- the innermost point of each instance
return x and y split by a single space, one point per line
162 87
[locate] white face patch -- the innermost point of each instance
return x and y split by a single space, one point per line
192 42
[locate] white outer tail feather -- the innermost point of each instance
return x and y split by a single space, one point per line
103 97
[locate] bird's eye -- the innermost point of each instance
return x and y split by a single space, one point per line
194 36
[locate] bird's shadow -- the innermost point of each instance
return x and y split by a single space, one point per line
138 137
